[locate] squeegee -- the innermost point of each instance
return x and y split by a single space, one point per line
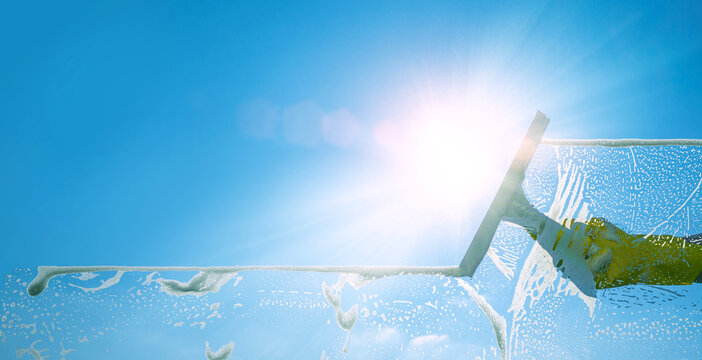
472 258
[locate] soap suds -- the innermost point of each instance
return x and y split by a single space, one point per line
104 283
201 324
345 319
215 311
556 240
202 283
45 273
539 273
504 269
31 351
85 276
498 322
65 352
221 354
149 278
48 333
577 210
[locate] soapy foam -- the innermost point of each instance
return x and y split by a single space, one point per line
86 276
345 319
576 210
104 283
567 205
504 269
202 283
499 324
149 278
213 278
65 352
221 354
539 273
48 333
45 273
31 351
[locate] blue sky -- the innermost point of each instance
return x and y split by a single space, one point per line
126 132
235 133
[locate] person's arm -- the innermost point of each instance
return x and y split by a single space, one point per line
612 256
640 259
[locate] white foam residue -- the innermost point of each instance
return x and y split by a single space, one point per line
332 294
31 351
347 319
569 288
498 322
149 278
356 280
202 283
215 310
85 276
538 274
401 302
565 245
65 352
32 326
576 268
201 323
357 275
504 269
48 333
104 283
684 203
221 354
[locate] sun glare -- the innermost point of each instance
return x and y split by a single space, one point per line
451 154
440 162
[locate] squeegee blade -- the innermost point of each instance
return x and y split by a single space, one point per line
483 237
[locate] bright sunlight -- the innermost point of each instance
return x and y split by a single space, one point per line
452 153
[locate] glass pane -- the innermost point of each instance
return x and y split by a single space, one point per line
518 305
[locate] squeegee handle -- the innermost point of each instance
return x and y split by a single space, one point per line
515 175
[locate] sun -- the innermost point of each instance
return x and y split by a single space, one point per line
451 155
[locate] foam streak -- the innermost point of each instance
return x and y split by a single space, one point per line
45 273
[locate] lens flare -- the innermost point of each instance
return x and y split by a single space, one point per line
451 156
